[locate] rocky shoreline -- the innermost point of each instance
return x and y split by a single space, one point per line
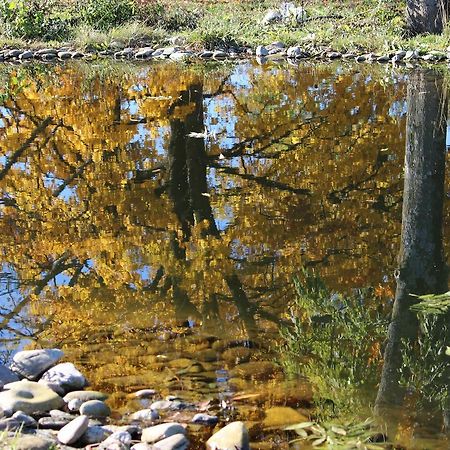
44 404
180 53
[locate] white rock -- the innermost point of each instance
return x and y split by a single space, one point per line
161 405
272 16
94 434
75 404
85 396
119 436
161 431
71 432
180 56
145 415
142 446
169 50
234 436
32 363
65 375
95 408
175 442
145 393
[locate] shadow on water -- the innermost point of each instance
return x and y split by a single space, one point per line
153 219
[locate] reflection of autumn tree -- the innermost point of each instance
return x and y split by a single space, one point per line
105 176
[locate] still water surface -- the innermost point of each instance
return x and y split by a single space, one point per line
153 219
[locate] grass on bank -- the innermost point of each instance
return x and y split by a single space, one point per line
344 25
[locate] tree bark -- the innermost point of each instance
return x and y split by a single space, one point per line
426 16
421 263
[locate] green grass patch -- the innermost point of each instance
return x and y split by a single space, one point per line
347 26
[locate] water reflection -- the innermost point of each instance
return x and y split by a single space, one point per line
422 267
153 219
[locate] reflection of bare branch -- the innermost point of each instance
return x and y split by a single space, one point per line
263 181
58 266
18 153
238 149
69 180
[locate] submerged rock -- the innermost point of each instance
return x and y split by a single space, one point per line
258 370
32 363
175 442
205 419
161 431
85 396
234 436
281 416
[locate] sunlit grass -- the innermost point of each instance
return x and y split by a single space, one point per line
346 26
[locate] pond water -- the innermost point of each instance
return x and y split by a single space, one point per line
200 230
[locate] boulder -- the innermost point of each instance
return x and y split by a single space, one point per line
29 397
32 363
66 376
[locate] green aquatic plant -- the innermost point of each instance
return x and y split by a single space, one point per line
426 364
433 304
335 341
349 435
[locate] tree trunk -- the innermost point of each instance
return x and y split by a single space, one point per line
426 16
421 262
